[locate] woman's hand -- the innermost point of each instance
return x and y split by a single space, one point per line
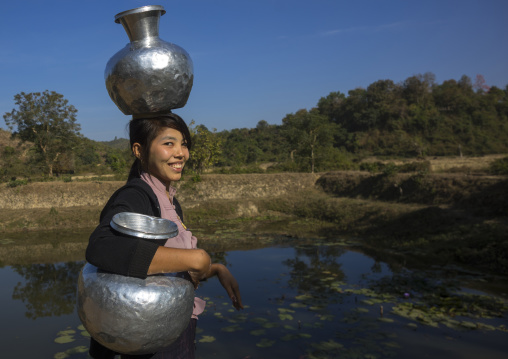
195 278
229 283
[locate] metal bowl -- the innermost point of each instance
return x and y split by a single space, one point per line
131 315
143 226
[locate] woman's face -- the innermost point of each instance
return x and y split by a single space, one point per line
167 156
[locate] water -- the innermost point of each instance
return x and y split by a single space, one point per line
323 300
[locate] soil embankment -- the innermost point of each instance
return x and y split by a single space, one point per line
95 193
53 205
455 218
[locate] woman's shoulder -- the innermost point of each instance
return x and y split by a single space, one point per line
135 185
136 193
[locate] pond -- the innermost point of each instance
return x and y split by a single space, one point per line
304 298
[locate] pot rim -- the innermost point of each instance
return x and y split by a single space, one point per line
139 10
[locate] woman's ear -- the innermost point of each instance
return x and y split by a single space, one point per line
136 149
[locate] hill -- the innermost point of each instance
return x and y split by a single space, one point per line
117 143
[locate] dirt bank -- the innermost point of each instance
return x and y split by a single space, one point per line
452 218
481 195
90 194
54 205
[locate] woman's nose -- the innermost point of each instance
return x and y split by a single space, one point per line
178 151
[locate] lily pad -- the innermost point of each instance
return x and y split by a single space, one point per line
64 339
66 332
231 328
283 316
328 317
469 325
316 308
328 345
285 310
258 332
412 325
77 350
289 337
270 325
259 320
207 339
265 343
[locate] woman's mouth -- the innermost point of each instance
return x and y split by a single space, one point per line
176 166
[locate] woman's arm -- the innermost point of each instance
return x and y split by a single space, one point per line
168 260
228 282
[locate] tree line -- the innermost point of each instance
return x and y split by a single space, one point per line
414 118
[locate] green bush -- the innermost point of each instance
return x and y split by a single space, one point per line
419 166
499 166
253 168
390 169
371 167
16 182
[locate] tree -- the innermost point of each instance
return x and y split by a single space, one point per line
331 105
47 289
47 120
417 89
206 147
480 85
308 132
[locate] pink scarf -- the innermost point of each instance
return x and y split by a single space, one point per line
184 238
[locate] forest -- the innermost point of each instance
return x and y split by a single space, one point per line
415 118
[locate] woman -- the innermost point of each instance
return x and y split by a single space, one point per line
161 146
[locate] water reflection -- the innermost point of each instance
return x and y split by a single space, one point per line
304 300
48 289
314 267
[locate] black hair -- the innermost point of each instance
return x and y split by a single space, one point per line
145 130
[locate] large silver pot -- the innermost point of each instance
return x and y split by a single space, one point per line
149 76
131 315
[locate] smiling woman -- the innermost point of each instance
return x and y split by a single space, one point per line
161 146
168 153
157 142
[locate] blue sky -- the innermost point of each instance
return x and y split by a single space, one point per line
253 60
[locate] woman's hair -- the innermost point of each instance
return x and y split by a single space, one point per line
145 130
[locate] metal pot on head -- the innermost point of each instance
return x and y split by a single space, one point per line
149 76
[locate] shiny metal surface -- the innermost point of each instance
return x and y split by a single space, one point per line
149 76
131 315
143 226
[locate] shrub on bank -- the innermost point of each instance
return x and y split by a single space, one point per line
17 182
499 166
